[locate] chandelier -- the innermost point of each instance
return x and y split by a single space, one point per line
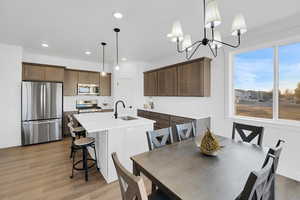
212 19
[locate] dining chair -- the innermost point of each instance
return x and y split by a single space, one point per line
185 131
255 132
276 152
159 138
259 183
133 187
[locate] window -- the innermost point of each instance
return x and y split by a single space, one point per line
289 82
257 74
254 83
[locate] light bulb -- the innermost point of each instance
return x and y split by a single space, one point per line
117 67
187 42
239 25
177 31
103 73
212 16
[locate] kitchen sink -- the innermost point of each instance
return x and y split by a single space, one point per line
128 118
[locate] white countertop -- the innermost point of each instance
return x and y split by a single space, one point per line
189 115
97 122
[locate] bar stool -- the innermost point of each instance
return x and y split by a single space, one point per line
82 144
79 130
75 134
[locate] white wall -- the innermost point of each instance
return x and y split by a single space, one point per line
10 101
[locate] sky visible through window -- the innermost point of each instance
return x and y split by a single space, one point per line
254 69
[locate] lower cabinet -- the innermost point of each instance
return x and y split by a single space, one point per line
165 120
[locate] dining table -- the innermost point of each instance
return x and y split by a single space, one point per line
182 172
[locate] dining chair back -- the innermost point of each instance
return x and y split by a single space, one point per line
185 131
132 187
259 183
276 152
159 138
255 132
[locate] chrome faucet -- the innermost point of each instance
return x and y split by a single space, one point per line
116 108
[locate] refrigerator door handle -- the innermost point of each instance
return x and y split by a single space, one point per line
27 101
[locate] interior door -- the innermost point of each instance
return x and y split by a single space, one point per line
32 101
53 100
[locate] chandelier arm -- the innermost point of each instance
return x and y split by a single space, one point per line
183 50
212 51
230 45
194 51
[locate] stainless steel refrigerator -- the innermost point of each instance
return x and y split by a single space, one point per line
42 108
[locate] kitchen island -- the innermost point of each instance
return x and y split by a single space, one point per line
125 136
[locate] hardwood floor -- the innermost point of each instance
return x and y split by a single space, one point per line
42 172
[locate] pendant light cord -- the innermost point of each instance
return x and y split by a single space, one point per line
103 54
117 45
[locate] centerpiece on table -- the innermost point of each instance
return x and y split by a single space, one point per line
209 144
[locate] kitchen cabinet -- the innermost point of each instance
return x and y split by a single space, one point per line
190 79
94 78
167 81
194 78
164 120
33 72
105 85
70 82
55 74
85 77
150 83
40 72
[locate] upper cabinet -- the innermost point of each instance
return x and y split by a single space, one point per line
150 83
86 77
37 72
191 78
105 85
167 81
194 78
54 74
71 82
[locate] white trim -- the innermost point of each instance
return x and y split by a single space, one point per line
275 84
275 45
294 125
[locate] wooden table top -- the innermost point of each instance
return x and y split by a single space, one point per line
187 174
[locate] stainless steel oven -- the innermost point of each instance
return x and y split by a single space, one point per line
88 89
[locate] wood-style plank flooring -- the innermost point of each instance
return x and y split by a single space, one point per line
42 172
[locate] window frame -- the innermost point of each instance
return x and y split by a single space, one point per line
276 70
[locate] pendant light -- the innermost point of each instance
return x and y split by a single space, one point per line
103 73
211 19
117 30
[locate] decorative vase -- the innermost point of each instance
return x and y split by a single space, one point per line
209 145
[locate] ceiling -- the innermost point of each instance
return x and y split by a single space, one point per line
71 27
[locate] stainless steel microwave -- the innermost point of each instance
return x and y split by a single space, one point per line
88 89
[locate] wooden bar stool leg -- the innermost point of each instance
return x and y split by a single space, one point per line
74 155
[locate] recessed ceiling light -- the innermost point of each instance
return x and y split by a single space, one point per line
118 15
45 45
124 59
88 53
